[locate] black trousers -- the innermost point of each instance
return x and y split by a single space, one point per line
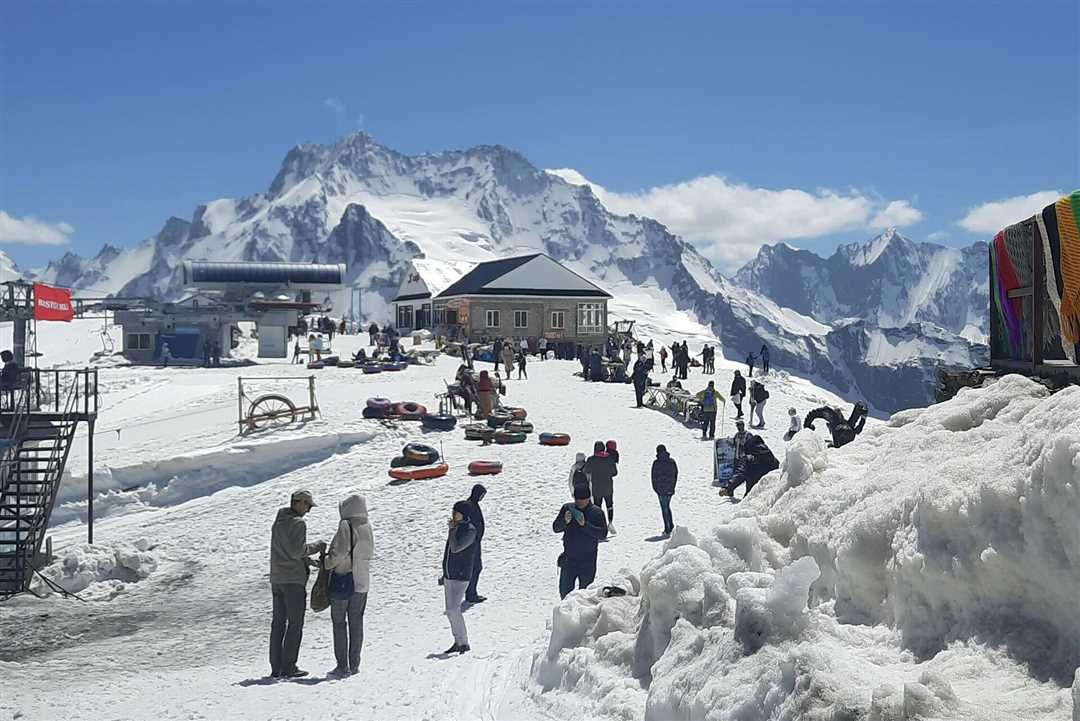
576 570
598 501
639 393
287 627
470 592
708 424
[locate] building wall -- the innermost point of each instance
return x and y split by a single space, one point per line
538 318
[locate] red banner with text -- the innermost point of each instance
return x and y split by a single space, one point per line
52 303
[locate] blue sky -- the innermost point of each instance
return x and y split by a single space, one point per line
114 116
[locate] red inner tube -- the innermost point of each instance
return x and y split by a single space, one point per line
412 474
554 439
485 468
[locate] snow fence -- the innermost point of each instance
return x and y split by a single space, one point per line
928 570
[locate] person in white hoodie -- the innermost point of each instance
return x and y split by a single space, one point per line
577 474
795 425
350 555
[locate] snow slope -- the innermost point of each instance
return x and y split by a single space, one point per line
939 555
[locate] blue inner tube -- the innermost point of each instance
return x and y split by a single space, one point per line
420 453
372 369
438 422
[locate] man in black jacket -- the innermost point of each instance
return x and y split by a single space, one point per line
601 470
753 460
583 527
665 474
458 557
641 380
477 517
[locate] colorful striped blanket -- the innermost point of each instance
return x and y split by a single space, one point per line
1067 224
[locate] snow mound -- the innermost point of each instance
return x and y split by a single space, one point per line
928 570
108 568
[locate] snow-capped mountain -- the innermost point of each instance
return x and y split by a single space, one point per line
358 202
8 269
890 281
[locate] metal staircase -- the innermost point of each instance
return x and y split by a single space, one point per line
40 423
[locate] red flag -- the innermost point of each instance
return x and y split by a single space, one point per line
52 303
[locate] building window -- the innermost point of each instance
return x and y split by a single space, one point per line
439 316
493 319
138 341
521 319
404 316
590 318
558 320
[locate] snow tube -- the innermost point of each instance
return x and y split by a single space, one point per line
375 413
316 365
331 360
379 404
499 418
417 473
438 422
484 468
344 364
372 368
418 452
394 366
409 411
399 461
478 431
506 437
554 439
518 427
518 414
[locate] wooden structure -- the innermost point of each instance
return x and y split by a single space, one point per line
675 402
272 410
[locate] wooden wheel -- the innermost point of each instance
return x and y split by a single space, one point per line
270 411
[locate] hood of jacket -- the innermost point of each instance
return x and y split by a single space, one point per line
579 459
662 455
354 507
286 514
478 493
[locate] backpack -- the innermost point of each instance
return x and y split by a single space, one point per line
580 479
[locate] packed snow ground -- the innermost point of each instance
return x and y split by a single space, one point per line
178 603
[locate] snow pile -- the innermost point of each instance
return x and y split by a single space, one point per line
80 567
939 554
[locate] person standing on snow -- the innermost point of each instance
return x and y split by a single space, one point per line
710 400
457 567
289 561
508 358
582 526
663 359
476 515
665 474
750 358
350 554
373 331
601 470
738 392
764 358
496 351
485 395
541 346
612 449
521 367
795 424
577 473
758 396
641 380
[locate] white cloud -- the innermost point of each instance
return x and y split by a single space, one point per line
937 236
729 221
992 217
897 214
31 231
335 104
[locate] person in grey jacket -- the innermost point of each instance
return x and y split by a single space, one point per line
289 561
457 566
350 553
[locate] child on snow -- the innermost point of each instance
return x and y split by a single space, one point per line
795 426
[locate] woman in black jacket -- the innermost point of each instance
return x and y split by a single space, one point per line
665 474
457 567
738 392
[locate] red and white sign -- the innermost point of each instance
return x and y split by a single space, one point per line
52 303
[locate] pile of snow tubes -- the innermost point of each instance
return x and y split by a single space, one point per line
499 418
438 421
518 427
409 411
316 365
394 366
331 360
377 408
372 368
508 437
478 432
420 454
485 468
554 439
518 414
417 473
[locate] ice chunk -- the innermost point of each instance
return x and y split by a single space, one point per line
805 455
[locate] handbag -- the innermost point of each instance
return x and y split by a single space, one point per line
341 585
320 599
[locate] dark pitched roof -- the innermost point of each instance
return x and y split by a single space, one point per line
482 280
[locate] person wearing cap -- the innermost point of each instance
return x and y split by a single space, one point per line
582 526
457 567
601 470
665 474
289 561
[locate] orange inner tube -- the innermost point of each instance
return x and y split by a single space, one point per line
414 473
485 468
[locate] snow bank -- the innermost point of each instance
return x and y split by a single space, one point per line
78 568
928 570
